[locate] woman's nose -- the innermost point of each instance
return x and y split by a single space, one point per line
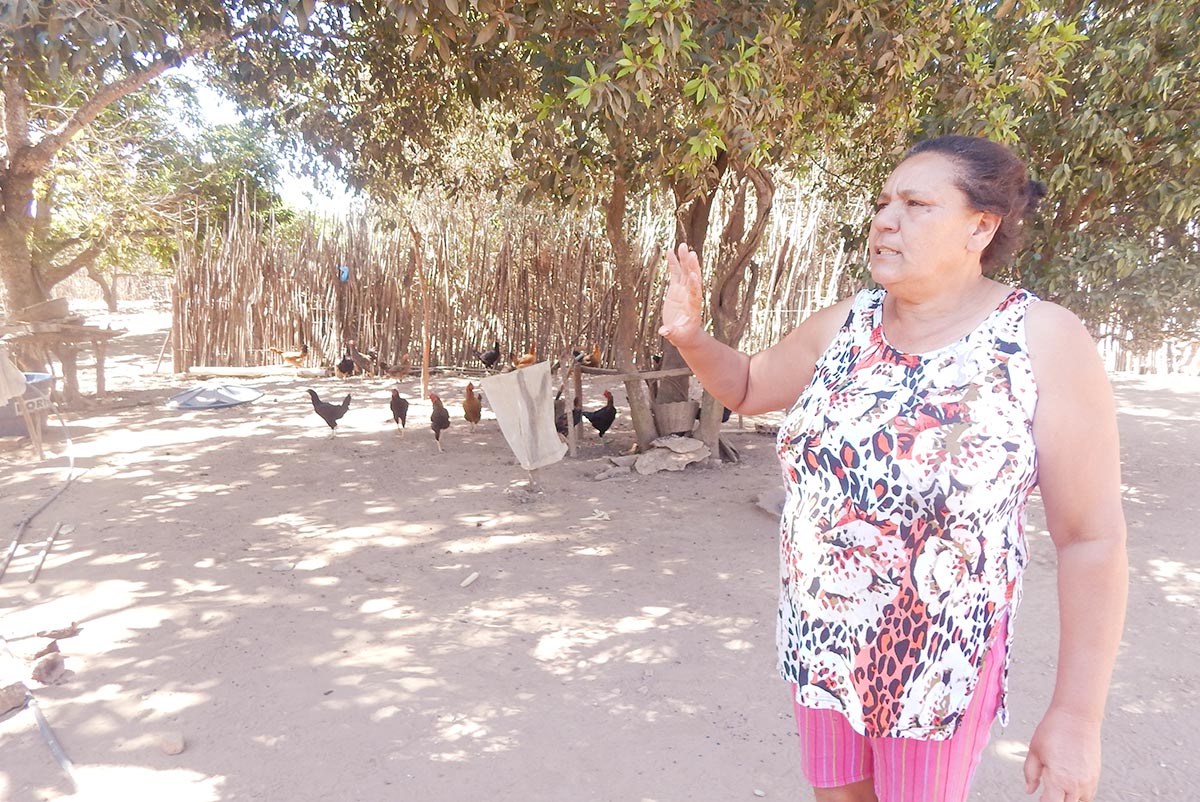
884 219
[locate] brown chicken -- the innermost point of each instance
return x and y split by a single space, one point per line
592 360
439 421
293 358
400 369
472 406
527 359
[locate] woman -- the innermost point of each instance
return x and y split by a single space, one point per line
922 414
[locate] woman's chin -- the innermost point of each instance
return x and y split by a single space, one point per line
882 272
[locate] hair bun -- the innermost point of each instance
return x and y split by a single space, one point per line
1034 192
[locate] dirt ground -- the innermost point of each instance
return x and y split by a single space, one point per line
292 606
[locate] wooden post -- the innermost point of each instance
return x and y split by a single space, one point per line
420 258
68 355
576 400
163 350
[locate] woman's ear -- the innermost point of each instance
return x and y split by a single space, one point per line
985 229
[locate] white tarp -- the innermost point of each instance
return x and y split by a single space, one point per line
523 401
12 380
213 394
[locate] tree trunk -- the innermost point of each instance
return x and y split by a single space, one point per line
21 287
691 226
735 281
109 291
628 315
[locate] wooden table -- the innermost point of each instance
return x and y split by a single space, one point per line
63 339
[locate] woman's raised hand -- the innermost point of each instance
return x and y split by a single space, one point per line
681 322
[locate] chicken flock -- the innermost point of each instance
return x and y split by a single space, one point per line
355 362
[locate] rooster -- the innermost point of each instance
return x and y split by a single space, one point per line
399 407
490 357
602 419
472 407
330 413
439 421
363 363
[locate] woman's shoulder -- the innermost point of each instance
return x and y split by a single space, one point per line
1057 339
805 343
1047 322
825 322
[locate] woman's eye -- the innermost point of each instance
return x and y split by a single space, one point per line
916 203
880 206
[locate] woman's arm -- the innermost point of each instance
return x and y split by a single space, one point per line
1079 473
770 379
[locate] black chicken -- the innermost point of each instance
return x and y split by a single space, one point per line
399 405
330 413
490 357
560 414
439 421
604 417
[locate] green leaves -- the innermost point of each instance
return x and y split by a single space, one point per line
583 87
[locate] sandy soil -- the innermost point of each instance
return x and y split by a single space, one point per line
291 605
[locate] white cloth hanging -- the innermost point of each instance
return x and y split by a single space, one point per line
12 380
524 405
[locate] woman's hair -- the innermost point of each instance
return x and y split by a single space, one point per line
994 180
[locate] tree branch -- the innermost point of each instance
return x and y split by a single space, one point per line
53 275
30 161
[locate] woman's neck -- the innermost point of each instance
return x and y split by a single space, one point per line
921 322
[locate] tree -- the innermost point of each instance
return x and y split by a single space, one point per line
1119 148
1101 98
668 96
132 186
63 65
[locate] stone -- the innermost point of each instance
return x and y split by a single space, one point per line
662 459
680 445
771 501
49 669
172 743
612 472
12 697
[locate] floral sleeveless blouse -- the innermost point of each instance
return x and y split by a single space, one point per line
902 540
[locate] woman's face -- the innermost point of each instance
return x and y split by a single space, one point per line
924 231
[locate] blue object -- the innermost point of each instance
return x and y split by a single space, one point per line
344 273
36 386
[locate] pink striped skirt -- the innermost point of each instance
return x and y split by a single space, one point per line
904 769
